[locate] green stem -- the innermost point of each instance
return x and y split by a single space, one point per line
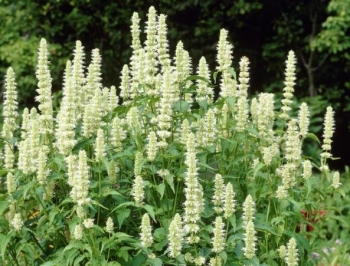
93 246
176 197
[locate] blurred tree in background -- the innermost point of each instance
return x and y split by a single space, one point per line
264 31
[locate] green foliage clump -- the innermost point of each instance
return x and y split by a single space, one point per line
165 173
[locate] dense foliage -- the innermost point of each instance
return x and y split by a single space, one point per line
264 31
164 173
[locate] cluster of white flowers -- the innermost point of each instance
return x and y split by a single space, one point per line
248 224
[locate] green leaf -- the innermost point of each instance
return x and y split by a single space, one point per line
150 211
122 214
257 168
4 240
232 72
262 227
108 191
155 262
160 189
223 255
123 237
3 206
313 137
113 263
170 180
159 233
123 253
181 106
215 75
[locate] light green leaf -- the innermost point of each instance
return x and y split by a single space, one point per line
122 214
160 189
181 106
150 211
170 180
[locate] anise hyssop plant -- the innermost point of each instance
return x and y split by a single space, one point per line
159 171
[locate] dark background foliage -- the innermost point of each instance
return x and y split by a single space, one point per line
264 31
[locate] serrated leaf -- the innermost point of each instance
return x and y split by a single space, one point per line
4 240
155 262
160 189
159 233
181 106
3 206
262 227
313 137
257 168
150 211
122 214
170 180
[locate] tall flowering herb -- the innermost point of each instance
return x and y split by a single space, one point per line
289 85
224 51
25 123
291 257
44 89
134 60
175 236
113 99
215 261
229 201
210 132
93 114
109 225
243 77
249 248
185 130
204 91
10 112
118 134
304 120
42 171
219 193
162 43
183 69
292 143
28 149
165 112
81 92
242 93
135 32
81 181
146 232
17 222
10 183
132 119
225 115
151 45
138 190
218 240
224 57
248 225
66 117
100 150
336 180
248 210
307 169
125 84
327 134
263 116
152 147
187 72
192 204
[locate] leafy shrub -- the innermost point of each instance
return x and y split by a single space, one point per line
172 175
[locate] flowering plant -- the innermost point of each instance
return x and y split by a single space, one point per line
163 172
